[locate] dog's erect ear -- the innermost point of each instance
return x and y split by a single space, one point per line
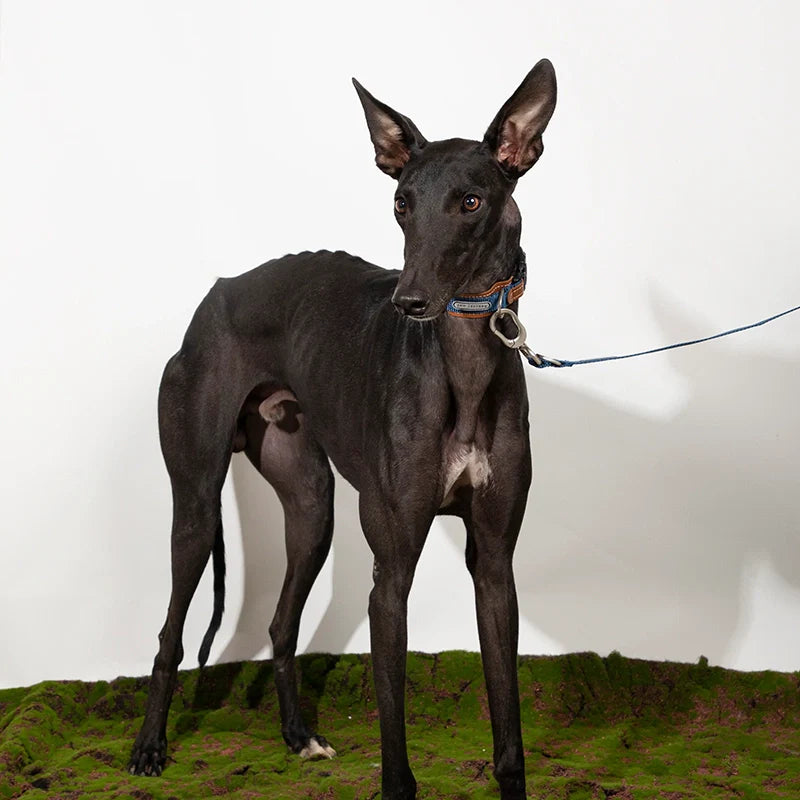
395 137
515 135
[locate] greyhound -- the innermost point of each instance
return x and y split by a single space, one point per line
397 378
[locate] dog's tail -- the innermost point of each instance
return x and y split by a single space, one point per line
218 559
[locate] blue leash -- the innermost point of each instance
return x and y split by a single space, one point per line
540 362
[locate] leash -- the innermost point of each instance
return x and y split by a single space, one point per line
540 362
495 303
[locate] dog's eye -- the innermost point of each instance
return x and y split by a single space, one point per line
471 202
400 205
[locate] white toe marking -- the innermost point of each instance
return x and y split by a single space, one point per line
315 750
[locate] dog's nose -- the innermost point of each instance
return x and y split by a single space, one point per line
414 305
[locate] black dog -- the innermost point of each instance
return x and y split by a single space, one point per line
397 378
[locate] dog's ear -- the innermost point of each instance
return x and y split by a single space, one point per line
395 137
515 135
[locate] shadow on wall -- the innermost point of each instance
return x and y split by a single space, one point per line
637 532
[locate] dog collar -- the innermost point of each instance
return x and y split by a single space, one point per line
501 295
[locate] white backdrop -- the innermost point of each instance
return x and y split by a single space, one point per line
148 147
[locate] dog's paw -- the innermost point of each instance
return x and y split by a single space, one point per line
148 757
317 747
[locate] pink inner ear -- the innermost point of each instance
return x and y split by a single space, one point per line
394 156
390 150
508 151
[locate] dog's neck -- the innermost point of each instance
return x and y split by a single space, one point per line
472 352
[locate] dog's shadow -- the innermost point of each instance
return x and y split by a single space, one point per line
638 531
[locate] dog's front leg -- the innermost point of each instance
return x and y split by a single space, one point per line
493 524
396 539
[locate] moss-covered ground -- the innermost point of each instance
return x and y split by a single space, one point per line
593 728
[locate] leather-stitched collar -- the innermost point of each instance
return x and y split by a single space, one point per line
501 295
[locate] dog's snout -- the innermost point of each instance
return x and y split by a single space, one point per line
413 304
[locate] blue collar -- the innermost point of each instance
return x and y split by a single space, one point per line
501 295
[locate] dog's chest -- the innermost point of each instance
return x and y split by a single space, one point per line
463 465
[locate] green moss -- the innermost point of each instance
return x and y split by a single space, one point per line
593 728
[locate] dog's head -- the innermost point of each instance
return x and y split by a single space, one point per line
453 198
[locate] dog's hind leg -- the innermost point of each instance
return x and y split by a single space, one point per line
198 406
282 449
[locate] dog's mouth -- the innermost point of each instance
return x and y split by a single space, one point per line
427 318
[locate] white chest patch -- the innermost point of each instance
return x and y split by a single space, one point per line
467 466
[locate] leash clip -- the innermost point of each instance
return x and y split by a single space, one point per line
518 342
